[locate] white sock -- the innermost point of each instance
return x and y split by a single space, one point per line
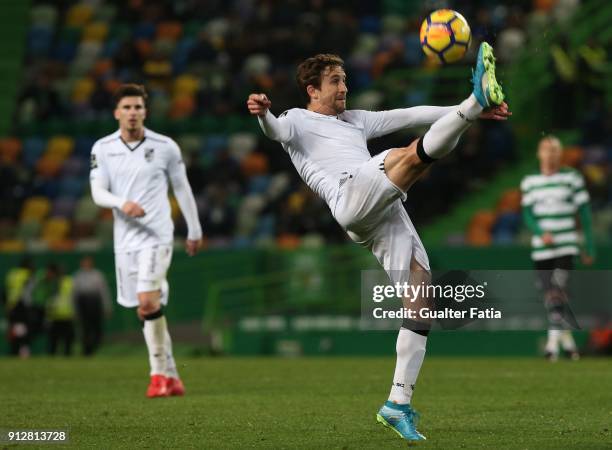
552 344
410 350
567 341
171 371
155 335
443 135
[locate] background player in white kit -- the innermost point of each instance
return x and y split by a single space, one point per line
130 170
328 146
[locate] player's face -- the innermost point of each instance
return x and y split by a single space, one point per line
332 94
131 113
549 154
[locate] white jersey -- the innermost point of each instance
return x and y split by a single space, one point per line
139 172
322 147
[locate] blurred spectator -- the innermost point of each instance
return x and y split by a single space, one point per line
16 284
43 287
39 100
93 303
60 311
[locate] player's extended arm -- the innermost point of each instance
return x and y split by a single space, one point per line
279 130
585 220
184 196
531 221
276 129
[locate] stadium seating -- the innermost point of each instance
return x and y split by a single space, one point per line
197 78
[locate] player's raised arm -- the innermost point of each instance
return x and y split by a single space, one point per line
280 130
184 196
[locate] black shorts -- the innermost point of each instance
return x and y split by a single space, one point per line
554 272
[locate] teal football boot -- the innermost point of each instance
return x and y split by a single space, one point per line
400 418
487 90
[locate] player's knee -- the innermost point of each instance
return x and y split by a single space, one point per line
148 303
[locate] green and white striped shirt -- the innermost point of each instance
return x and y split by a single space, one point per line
553 200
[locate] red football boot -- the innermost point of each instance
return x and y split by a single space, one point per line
158 387
176 387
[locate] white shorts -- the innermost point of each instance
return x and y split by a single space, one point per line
142 271
369 207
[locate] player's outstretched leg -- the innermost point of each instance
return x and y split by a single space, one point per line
405 165
444 134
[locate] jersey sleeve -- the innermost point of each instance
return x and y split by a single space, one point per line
527 202
177 174
280 129
99 181
527 199
379 123
97 169
581 195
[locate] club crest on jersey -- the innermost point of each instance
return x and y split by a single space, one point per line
93 163
148 154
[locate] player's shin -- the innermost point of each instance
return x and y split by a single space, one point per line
154 330
410 348
444 134
171 371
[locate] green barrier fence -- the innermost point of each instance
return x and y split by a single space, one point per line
219 288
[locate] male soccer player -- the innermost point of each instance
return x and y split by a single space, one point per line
328 146
551 199
130 170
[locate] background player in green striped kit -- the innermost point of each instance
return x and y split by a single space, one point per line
552 198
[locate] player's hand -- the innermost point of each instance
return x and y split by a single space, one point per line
587 260
193 246
132 209
548 239
258 104
498 112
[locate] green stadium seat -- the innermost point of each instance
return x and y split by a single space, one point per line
105 13
28 230
43 15
104 230
189 143
70 34
158 106
86 210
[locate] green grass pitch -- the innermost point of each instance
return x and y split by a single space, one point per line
311 403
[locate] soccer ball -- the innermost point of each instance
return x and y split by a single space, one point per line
445 36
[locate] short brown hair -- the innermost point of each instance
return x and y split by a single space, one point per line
129 90
310 71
